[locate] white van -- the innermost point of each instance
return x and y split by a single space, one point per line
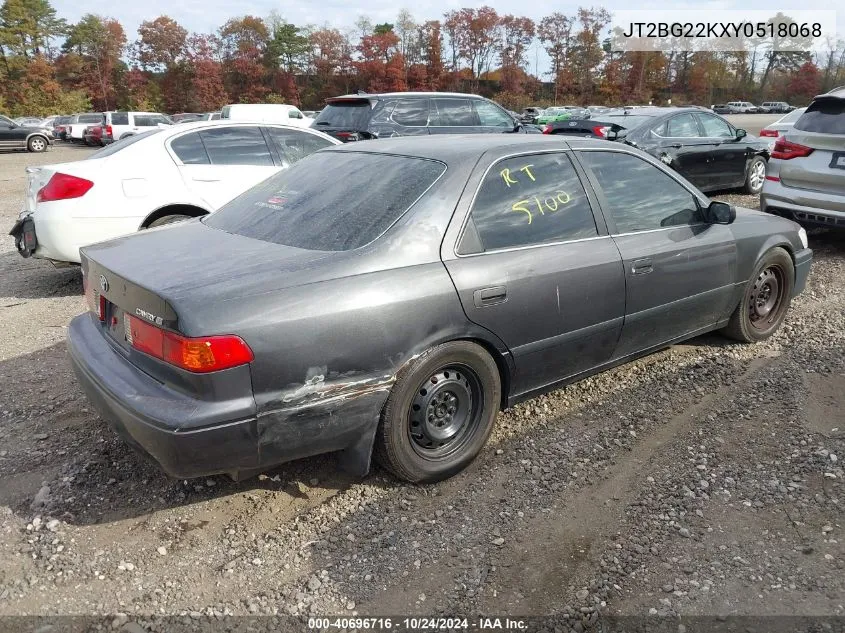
266 113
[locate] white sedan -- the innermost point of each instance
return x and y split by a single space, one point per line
154 178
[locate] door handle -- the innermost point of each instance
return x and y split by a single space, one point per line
199 179
642 267
676 145
489 296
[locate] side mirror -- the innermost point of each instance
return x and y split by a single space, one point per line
611 135
740 133
719 213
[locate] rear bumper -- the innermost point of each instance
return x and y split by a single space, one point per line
804 206
803 261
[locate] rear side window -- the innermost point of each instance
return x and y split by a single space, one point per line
411 112
682 126
120 118
90 118
533 199
189 149
236 145
452 113
347 115
297 208
293 145
824 115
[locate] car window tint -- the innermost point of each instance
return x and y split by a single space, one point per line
150 120
90 118
490 115
714 127
411 112
297 208
350 115
6 121
189 149
682 126
825 115
381 112
120 118
236 145
294 114
124 143
532 199
294 145
453 112
215 116
640 195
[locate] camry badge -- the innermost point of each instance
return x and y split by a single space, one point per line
104 283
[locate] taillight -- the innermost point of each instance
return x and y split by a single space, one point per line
787 150
600 130
107 130
769 133
199 355
547 129
63 187
96 301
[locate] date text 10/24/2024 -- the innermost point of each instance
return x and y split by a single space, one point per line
417 624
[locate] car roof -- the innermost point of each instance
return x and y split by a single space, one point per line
454 148
201 125
367 95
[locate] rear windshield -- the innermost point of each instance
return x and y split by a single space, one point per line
824 115
348 115
626 121
792 116
299 207
122 144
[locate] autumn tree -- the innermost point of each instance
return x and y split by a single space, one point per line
805 83
207 91
27 27
475 35
555 32
381 67
244 42
585 53
99 42
517 35
161 44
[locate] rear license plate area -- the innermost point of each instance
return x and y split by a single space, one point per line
837 161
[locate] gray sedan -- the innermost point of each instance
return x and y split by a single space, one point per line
391 297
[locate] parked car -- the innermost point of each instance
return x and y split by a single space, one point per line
60 127
411 306
780 127
122 124
743 107
530 114
723 109
14 136
562 113
29 121
806 178
357 117
596 110
778 107
94 135
705 148
160 176
74 131
266 113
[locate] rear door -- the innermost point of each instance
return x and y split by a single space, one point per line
534 265
219 163
679 144
822 128
726 165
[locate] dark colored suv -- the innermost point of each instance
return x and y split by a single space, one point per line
365 116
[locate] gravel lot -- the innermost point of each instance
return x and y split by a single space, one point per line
703 480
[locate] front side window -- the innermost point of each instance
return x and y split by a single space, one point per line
411 112
293 145
492 115
714 127
640 195
453 113
682 126
120 118
296 207
236 145
6 121
532 199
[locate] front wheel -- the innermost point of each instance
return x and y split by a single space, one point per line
756 175
440 413
37 144
766 299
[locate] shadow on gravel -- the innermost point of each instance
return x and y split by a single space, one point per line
36 279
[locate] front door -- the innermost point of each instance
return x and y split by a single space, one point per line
729 153
452 115
534 268
681 146
9 134
679 270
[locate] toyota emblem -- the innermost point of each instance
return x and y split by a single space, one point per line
104 283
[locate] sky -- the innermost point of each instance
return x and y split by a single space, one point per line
206 16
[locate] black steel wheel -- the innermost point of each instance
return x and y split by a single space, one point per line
766 299
439 413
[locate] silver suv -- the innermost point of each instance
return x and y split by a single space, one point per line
805 179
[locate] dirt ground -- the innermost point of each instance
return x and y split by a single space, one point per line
706 480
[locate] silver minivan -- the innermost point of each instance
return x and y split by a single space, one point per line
805 179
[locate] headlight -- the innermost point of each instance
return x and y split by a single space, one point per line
802 235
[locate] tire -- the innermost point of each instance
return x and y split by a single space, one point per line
168 219
37 144
755 175
457 384
125 136
766 299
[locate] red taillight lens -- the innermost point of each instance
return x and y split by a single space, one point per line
547 129
600 130
63 187
199 355
107 130
96 301
769 133
787 150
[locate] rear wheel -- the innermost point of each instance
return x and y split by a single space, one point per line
439 413
767 297
168 219
37 144
756 175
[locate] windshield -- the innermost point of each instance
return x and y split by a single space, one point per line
349 115
123 144
305 207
